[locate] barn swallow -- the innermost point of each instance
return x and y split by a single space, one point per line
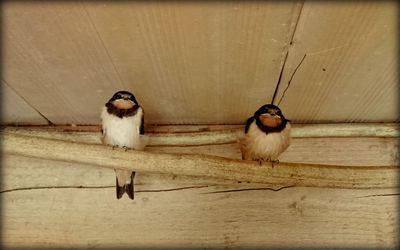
123 126
267 135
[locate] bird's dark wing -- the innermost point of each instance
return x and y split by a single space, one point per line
103 135
142 125
248 123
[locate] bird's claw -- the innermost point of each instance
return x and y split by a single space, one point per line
260 161
274 162
125 148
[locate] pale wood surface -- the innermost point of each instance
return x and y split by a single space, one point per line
56 61
16 110
203 62
330 151
282 174
194 62
350 71
351 145
211 134
179 58
176 211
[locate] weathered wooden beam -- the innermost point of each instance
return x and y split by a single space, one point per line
346 130
285 174
205 135
351 151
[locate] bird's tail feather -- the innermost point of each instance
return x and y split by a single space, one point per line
126 187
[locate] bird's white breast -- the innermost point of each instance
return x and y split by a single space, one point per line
257 145
123 132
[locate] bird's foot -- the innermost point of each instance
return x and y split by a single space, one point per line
262 160
274 162
125 148
114 146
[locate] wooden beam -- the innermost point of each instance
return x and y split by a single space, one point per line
172 209
206 135
351 151
346 130
283 174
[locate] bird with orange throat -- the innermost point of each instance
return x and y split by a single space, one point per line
123 126
267 135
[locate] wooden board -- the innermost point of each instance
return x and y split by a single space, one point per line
16 110
55 59
179 58
204 62
192 62
353 149
332 151
350 71
174 211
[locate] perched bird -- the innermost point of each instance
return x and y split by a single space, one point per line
123 126
267 135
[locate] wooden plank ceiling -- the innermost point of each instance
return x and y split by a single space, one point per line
199 62
17 110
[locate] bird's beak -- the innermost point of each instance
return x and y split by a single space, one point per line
267 115
124 103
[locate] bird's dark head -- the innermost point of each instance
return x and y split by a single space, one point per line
123 100
269 118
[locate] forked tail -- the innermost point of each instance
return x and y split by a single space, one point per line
121 188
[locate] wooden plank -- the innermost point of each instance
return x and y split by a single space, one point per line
54 58
351 151
330 151
350 71
208 49
199 58
191 62
15 110
344 151
208 216
57 174
199 135
282 174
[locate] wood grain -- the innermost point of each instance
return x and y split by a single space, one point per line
55 60
283 174
197 57
187 62
350 145
15 110
204 213
349 73
202 62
